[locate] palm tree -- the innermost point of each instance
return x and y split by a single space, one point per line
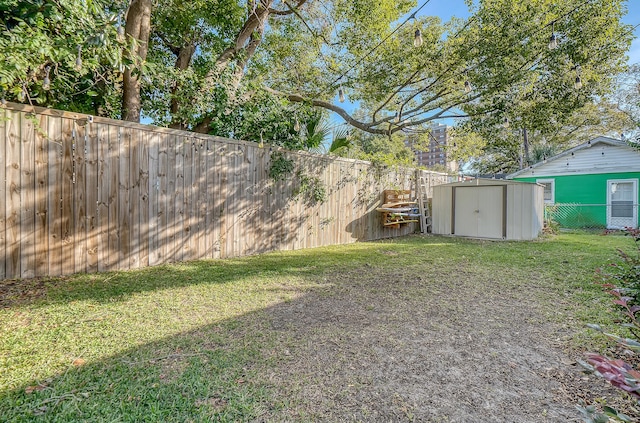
317 130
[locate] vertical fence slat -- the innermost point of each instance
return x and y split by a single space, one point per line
79 196
67 220
91 183
3 196
154 197
232 203
210 193
104 176
134 196
260 188
195 198
172 201
218 199
27 198
13 185
202 190
250 238
164 227
143 199
186 200
242 233
124 205
225 182
114 197
179 199
41 195
54 200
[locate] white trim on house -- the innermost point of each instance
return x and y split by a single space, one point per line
552 183
624 221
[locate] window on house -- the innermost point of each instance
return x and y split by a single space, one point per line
549 190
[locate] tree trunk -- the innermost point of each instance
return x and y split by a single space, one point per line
185 54
138 26
525 143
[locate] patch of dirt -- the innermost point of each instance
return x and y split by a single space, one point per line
376 346
217 404
172 368
17 292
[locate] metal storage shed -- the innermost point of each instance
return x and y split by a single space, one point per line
488 208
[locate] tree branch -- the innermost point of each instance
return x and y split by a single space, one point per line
297 98
287 12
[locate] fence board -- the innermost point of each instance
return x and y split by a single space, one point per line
114 197
250 196
12 194
235 200
134 196
202 189
171 235
41 195
103 188
79 197
218 207
243 232
91 184
209 200
143 199
3 203
163 230
124 202
187 234
68 177
225 183
190 191
54 198
179 217
154 198
27 203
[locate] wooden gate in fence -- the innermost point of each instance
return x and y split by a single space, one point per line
89 194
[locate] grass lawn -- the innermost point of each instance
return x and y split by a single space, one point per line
203 341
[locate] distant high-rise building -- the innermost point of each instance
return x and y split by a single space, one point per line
436 156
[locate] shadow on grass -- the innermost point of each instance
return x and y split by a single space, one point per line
120 285
202 375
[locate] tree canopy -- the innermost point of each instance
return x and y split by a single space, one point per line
259 69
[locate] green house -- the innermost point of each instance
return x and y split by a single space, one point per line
593 185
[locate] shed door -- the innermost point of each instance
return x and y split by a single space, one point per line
622 203
479 211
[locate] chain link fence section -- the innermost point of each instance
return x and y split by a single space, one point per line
589 216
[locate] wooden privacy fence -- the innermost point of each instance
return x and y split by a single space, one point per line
88 194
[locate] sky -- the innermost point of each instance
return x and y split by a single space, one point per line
446 9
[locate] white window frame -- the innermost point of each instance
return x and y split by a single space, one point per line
634 183
553 189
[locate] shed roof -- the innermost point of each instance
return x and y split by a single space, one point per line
485 182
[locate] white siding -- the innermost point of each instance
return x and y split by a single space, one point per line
525 211
589 161
441 210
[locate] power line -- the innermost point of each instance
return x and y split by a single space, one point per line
362 58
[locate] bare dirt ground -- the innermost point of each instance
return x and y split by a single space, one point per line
447 346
